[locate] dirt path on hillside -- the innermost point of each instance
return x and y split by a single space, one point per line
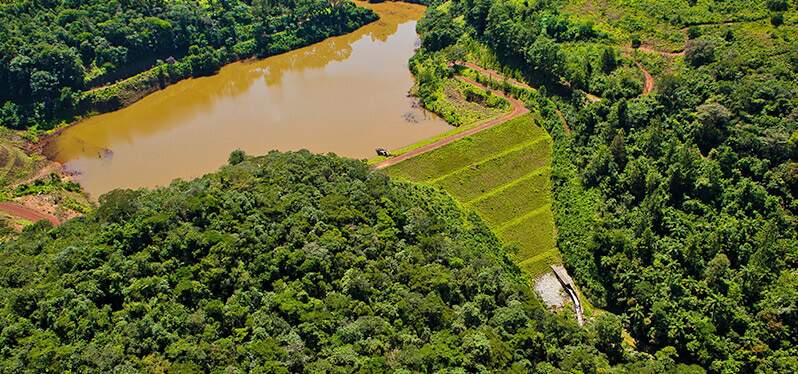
499 77
518 109
655 51
722 23
26 213
48 169
564 121
649 85
495 75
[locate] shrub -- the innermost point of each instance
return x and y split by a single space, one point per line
236 157
636 42
699 52
778 5
777 19
693 32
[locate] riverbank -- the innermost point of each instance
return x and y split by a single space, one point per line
347 94
123 93
43 175
33 188
517 109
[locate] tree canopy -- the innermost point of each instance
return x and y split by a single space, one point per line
286 262
675 210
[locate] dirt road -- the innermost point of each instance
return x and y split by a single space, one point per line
518 109
26 213
564 121
493 74
649 85
652 50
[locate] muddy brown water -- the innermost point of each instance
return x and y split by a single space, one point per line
347 95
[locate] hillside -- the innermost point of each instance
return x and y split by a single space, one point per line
32 187
650 146
503 174
286 262
675 159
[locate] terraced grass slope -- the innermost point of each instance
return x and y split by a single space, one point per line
504 174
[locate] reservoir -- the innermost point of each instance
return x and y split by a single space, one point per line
346 94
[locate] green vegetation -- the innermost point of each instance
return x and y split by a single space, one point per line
7 223
477 179
67 59
24 176
661 23
503 174
675 210
470 150
446 106
284 263
462 104
457 102
15 163
45 185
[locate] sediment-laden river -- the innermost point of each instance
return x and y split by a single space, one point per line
346 95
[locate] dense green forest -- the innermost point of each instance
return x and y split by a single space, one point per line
675 208
61 58
287 262
692 238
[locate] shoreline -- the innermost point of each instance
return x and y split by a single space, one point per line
48 146
46 138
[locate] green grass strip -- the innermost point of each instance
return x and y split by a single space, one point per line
534 173
533 235
468 150
519 219
477 179
491 158
540 264
538 257
516 200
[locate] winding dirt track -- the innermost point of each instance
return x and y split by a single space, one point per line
564 121
518 110
649 85
24 212
495 75
655 51
516 83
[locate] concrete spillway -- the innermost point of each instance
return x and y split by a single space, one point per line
568 284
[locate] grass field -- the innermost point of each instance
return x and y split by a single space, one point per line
468 151
503 173
15 163
464 102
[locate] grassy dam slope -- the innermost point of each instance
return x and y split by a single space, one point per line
504 174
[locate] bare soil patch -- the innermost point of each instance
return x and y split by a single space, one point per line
550 291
